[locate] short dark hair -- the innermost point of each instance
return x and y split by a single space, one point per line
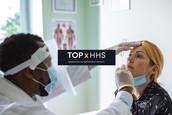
17 49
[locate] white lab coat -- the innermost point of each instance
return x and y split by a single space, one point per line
116 108
14 101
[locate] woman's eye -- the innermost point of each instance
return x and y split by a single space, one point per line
139 56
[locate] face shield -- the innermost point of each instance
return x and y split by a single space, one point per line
62 74
48 55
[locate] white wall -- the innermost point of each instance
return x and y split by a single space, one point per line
146 20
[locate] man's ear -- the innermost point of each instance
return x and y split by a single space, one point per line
29 73
155 69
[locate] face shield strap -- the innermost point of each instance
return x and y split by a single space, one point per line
40 55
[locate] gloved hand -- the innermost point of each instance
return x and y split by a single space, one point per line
124 46
123 78
119 48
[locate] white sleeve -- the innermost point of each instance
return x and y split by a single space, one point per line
125 97
121 105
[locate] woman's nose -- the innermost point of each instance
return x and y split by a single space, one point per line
130 59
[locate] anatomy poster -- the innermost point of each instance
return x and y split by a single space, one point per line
64 33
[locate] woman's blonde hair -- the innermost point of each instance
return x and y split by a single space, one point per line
156 57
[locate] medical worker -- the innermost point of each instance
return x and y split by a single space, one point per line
28 73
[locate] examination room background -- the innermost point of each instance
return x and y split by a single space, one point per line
99 28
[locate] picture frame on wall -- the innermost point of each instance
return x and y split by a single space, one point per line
64 6
96 2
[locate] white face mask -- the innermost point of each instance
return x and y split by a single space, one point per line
53 79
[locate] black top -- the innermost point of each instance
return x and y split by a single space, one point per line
153 101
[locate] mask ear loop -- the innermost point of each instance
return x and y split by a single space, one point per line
46 65
38 82
41 69
148 72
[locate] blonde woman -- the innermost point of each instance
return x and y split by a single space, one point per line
146 62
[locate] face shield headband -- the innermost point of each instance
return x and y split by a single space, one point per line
39 56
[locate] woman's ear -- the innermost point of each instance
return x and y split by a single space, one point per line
154 69
29 73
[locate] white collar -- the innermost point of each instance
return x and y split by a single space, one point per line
13 92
